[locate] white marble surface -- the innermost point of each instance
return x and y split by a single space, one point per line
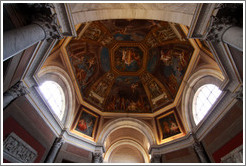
181 13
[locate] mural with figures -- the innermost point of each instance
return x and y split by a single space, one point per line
128 59
127 65
127 95
172 63
129 30
85 62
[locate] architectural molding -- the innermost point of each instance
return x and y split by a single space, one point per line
171 146
65 19
201 20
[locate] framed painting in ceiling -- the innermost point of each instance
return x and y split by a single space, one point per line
85 124
169 127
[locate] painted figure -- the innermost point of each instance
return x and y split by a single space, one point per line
82 125
154 89
166 58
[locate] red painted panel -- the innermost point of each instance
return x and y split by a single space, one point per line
11 125
228 147
5 161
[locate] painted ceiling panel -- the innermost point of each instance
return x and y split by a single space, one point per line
131 66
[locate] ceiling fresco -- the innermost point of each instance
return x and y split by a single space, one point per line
133 66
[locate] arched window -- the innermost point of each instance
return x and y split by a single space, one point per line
203 100
54 95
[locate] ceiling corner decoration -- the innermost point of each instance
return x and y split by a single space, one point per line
130 66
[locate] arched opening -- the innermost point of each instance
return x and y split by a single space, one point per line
126 137
55 97
197 80
203 100
126 151
59 76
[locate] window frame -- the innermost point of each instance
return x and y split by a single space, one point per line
61 112
196 96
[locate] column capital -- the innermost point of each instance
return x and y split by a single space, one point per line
218 26
97 158
226 17
58 142
156 158
239 93
197 146
17 90
49 25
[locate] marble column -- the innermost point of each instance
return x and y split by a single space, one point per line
199 149
200 152
15 91
156 158
234 37
97 158
54 150
17 40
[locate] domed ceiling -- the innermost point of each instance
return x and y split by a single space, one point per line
133 66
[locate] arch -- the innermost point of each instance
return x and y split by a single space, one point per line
60 76
127 142
198 79
171 12
54 95
200 107
126 123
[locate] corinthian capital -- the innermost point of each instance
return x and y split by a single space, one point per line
97 158
218 26
50 26
17 90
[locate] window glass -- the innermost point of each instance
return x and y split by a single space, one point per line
54 95
204 98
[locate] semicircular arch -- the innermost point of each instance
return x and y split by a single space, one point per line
199 78
126 142
127 123
60 76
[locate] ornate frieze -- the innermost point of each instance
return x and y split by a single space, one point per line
17 150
